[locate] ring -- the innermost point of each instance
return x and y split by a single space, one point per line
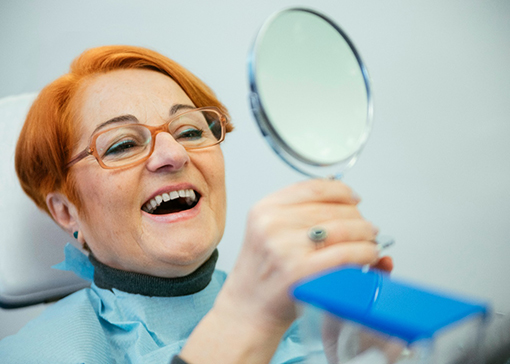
317 234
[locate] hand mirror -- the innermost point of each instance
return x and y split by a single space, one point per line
310 92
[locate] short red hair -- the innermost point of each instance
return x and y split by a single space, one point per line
46 140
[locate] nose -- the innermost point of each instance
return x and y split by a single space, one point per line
167 154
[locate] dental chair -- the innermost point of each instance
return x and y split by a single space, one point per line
30 242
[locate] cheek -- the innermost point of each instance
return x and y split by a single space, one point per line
212 169
216 174
217 184
102 196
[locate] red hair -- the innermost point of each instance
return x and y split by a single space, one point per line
46 140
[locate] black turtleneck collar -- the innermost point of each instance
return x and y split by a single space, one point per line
107 277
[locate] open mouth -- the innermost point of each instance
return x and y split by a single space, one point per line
172 202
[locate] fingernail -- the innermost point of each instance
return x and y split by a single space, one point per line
355 197
375 230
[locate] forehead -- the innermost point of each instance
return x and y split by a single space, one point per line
142 93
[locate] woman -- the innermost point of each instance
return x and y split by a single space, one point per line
123 153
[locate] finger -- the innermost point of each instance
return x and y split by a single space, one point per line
358 253
340 231
316 190
310 214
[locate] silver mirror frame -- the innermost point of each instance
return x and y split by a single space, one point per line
286 153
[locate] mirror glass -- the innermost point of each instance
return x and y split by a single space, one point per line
310 92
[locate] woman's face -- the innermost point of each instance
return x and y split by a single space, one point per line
112 220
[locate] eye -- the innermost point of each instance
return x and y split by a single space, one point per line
121 147
190 134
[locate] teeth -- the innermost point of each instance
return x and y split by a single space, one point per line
148 207
189 196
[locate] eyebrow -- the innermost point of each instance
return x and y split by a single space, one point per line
116 120
178 107
132 119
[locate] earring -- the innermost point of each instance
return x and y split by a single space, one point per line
75 234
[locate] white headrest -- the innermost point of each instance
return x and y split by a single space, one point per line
30 242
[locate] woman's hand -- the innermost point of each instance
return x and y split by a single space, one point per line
277 252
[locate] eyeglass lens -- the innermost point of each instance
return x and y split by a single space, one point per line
128 143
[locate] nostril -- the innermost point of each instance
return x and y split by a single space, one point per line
167 153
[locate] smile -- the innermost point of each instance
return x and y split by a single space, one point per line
171 202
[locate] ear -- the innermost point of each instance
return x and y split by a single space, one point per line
63 212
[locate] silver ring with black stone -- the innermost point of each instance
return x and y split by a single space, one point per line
317 235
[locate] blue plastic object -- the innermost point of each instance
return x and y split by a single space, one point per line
376 301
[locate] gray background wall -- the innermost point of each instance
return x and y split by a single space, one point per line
435 173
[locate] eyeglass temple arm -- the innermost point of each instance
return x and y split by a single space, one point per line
78 158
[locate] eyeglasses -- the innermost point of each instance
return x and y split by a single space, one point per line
131 144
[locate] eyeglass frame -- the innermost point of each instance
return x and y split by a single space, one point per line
154 130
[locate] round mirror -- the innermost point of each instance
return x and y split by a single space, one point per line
310 92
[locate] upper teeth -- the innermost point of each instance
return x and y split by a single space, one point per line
154 202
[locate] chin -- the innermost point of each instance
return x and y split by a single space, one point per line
187 254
